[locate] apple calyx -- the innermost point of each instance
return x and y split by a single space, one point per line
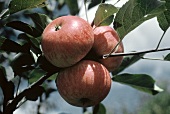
85 101
57 27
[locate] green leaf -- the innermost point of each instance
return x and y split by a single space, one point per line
94 3
164 18
19 5
128 61
34 42
73 6
99 109
40 21
35 74
24 27
53 77
104 14
45 65
23 62
11 46
167 57
140 82
134 13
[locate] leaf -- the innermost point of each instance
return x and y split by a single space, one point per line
7 86
73 6
134 13
19 5
99 109
35 74
24 27
94 3
23 62
11 46
34 42
45 65
53 77
104 14
128 61
35 92
40 21
140 82
167 57
164 18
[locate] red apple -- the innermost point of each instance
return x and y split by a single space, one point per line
85 84
105 40
66 40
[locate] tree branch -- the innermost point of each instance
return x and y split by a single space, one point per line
10 108
134 53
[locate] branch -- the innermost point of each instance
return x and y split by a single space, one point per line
134 53
10 108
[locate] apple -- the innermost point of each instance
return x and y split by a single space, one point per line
85 84
105 40
66 40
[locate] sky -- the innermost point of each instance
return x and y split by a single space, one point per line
145 37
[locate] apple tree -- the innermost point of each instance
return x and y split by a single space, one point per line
22 24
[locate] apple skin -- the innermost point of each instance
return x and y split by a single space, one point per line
105 39
66 40
85 84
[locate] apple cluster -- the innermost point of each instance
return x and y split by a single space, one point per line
71 43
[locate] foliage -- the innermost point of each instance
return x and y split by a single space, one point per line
158 105
23 22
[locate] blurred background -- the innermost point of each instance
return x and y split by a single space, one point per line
122 99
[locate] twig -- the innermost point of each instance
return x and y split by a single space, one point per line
18 86
117 2
113 50
160 40
134 53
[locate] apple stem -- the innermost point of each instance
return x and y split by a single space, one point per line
117 2
113 50
57 28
